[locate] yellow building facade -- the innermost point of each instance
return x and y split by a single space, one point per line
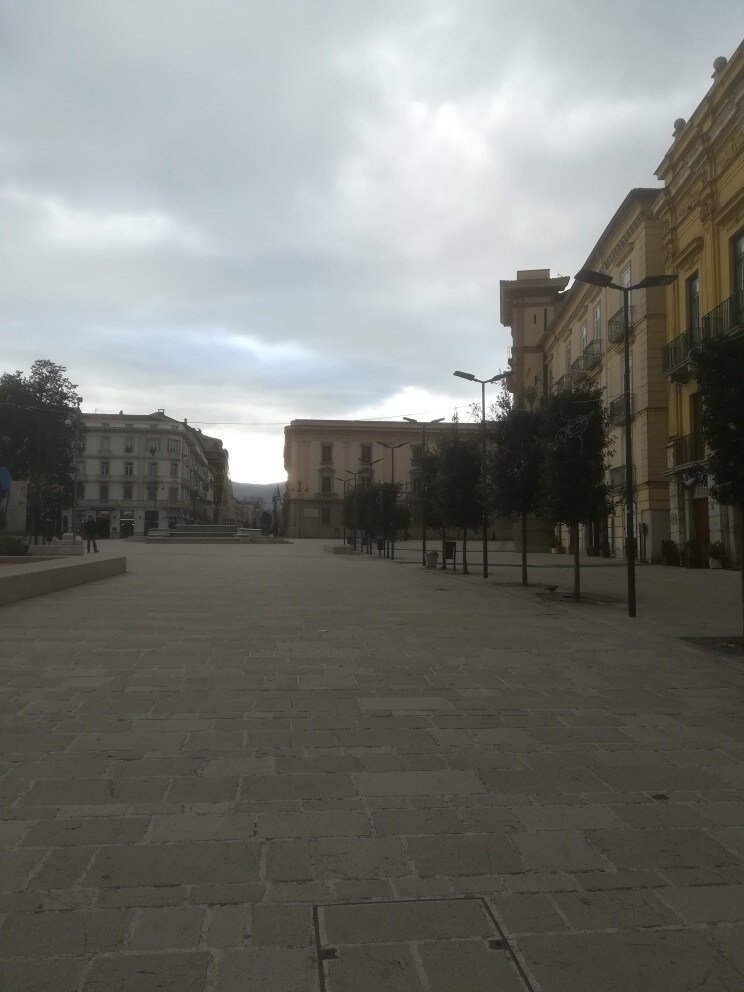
323 458
582 342
702 212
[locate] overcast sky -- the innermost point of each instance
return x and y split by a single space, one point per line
250 211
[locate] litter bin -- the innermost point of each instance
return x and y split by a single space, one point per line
432 557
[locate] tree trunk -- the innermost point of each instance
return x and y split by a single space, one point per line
465 551
524 549
574 529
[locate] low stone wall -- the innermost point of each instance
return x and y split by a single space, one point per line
36 578
338 549
57 550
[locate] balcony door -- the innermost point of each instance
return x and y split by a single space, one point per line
739 264
738 302
693 302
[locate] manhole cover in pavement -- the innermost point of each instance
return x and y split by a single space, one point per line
418 945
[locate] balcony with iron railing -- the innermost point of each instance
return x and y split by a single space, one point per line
617 477
577 368
725 320
616 326
688 449
675 355
617 408
564 383
592 354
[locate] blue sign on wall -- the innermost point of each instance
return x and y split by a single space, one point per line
5 482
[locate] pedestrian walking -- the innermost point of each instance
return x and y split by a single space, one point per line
89 530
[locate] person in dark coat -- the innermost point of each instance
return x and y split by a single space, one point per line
89 530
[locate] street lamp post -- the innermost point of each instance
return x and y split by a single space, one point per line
366 466
495 378
366 471
343 508
423 424
649 282
77 449
300 490
276 498
392 448
353 532
153 449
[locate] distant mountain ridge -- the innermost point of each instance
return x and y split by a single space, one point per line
252 491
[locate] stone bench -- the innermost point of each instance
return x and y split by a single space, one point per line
65 549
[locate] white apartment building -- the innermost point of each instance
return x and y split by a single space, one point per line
136 472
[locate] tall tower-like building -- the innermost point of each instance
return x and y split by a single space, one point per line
528 304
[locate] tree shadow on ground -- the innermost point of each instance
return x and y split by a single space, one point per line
720 644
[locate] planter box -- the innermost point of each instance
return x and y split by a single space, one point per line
40 576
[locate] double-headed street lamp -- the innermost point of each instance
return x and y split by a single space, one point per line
299 489
423 425
153 449
276 501
650 282
392 447
484 468
343 508
78 446
366 472
353 525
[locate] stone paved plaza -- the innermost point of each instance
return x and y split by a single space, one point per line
232 762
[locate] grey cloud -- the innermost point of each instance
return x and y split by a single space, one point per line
300 209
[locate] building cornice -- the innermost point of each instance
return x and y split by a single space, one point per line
689 255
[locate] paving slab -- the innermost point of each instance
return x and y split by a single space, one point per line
205 755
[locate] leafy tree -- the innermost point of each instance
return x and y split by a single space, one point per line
515 468
719 368
388 522
402 518
454 483
276 503
424 507
361 510
576 447
286 503
35 443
